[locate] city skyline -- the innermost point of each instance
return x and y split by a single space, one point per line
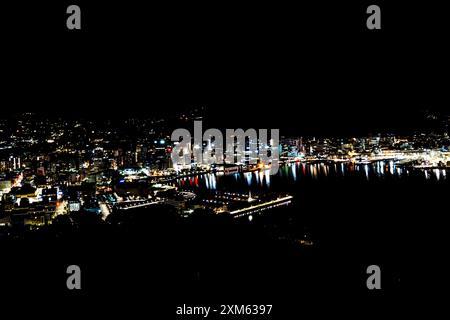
44 160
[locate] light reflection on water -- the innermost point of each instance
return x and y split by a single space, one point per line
248 177
297 171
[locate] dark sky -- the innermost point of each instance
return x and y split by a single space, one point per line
313 67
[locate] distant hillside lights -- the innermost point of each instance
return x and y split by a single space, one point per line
240 147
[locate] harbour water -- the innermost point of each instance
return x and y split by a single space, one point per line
294 174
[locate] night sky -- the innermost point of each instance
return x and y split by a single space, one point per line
313 68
